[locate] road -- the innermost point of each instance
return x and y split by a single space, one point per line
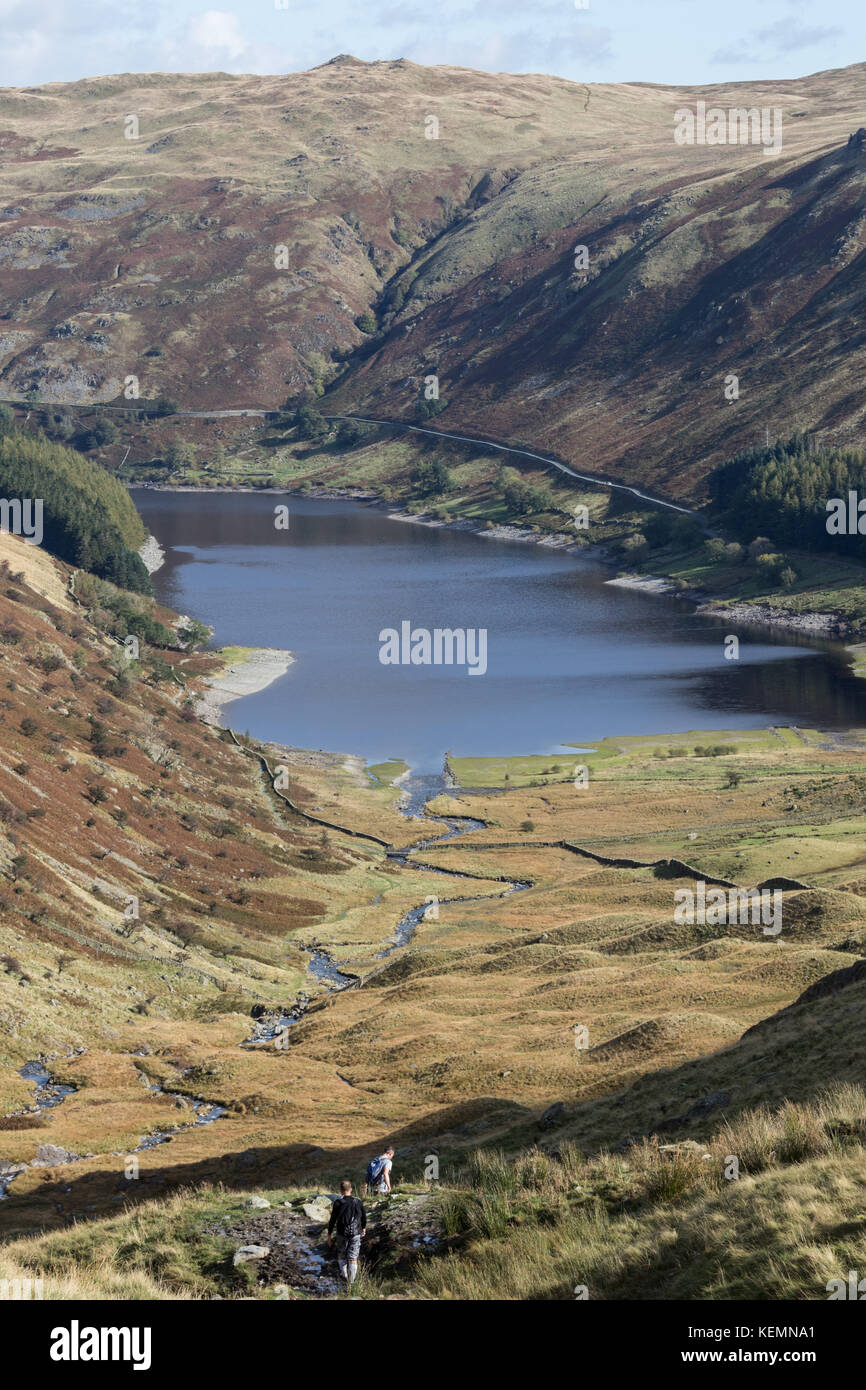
527 453
261 413
472 439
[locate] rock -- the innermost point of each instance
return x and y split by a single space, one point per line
258 1203
49 1154
319 1209
552 1114
246 1254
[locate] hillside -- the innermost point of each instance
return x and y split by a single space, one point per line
230 971
156 256
161 1027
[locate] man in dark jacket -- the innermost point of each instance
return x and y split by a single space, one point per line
349 1221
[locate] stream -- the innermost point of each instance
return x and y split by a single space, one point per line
417 790
50 1093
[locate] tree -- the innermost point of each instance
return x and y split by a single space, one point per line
351 433
771 567
88 517
101 432
659 528
635 547
715 550
60 425
310 424
431 477
366 322
520 497
180 454
7 420
760 546
795 491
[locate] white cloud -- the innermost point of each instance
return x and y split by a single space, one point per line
216 32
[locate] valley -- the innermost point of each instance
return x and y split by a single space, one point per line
460 1028
335 390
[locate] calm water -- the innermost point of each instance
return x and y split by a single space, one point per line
570 659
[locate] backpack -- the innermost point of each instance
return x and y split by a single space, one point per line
375 1169
348 1221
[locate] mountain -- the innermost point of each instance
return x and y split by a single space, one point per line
155 257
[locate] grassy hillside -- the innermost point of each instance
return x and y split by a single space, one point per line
658 1222
159 257
466 1036
559 1165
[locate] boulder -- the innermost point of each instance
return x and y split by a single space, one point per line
49 1154
258 1203
319 1209
552 1114
247 1254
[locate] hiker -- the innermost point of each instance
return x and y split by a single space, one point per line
379 1173
349 1219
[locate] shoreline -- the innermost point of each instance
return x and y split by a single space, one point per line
829 626
253 671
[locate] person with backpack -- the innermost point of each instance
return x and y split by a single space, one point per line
379 1173
349 1221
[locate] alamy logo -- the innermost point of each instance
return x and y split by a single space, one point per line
20 1290
739 125
22 516
716 907
852 1287
77 1343
444 646
846 517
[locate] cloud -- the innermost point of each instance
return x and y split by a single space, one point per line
777 40
214 40
57 40
216 32
783 37
37 34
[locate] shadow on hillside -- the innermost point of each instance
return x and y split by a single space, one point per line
92 1193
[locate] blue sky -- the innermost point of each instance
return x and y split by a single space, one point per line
675 41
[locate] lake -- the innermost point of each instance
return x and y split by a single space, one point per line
569 659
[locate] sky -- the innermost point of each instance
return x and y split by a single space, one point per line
692 42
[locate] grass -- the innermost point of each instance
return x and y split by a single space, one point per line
467 1035
769 1206
668 1223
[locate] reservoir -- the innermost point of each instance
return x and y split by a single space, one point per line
568 658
